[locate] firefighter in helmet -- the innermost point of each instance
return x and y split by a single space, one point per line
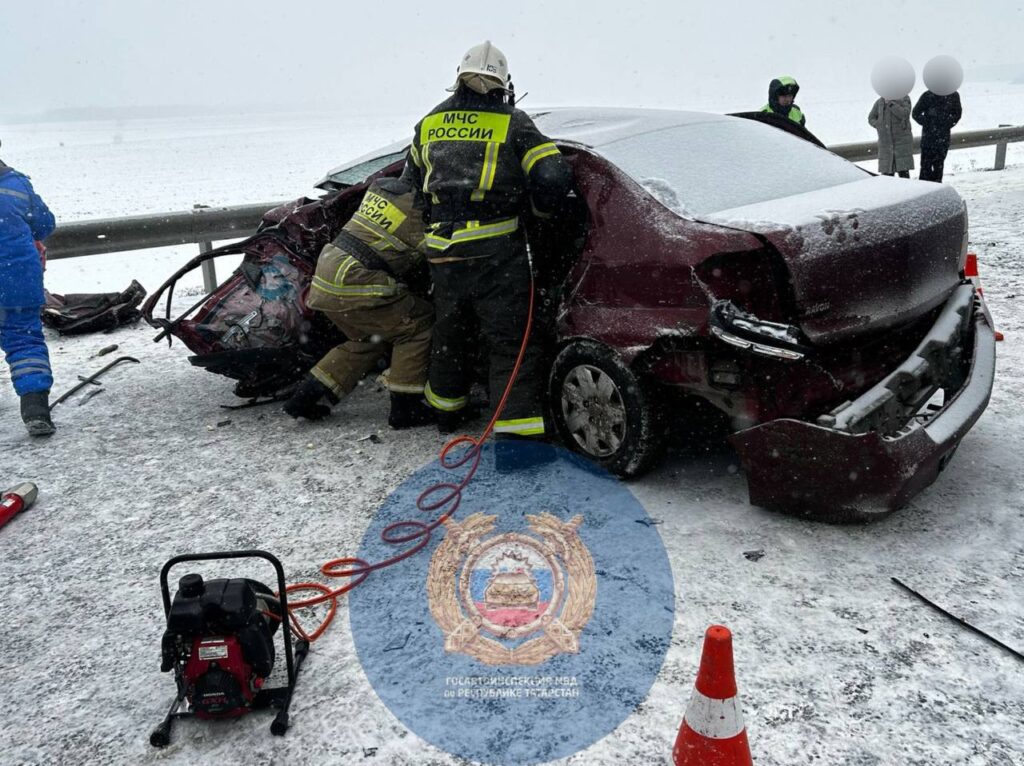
781 96
362 284
481 164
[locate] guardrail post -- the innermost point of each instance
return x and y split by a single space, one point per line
209 270
1001 153
1000 156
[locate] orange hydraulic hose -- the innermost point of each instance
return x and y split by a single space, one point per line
356 570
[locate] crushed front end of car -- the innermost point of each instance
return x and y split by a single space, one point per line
870 455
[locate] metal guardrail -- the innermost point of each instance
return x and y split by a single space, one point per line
138 232
967 139
206 225
203 225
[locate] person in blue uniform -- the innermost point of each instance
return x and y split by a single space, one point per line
25 222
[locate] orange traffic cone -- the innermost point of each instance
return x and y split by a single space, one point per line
712 732
971 272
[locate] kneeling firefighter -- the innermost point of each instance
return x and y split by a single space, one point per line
480 164
362 284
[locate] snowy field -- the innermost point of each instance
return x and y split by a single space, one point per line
112 168
835 665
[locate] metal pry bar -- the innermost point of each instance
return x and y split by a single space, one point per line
92 378
959 620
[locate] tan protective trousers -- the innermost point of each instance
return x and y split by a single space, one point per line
405 325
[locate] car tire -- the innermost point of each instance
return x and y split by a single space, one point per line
602 409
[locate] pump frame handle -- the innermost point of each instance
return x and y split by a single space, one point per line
247 554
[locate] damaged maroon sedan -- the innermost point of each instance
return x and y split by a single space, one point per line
820 309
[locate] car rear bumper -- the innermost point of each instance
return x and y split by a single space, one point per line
870 456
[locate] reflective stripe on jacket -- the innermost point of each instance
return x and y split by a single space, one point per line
794 113
775 87
442 237
340 275
391 225
475 160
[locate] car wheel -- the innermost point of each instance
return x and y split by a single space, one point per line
603 410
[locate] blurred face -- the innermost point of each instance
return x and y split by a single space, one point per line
786 100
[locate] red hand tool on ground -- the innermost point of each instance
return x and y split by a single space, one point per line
17 499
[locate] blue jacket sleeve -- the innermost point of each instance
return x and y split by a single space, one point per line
39 218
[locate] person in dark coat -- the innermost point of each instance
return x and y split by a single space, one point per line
24 222
936 115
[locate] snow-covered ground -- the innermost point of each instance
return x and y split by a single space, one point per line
835 665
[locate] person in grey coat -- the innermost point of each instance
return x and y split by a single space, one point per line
891 118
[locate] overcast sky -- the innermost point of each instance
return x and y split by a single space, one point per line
397 55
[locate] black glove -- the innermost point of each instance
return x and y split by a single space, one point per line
305 400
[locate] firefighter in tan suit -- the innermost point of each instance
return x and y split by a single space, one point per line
361 284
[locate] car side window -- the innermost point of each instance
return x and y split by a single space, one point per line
712 166
359 173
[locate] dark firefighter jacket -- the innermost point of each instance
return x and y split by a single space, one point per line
793 111
389 225
481 163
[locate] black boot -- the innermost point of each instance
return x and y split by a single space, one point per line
35 411
450 422
305 400
409 411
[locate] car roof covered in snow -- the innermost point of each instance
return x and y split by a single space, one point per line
597 126
590 126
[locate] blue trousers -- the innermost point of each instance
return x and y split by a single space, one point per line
21 338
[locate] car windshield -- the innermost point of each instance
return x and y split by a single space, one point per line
359 173
712 166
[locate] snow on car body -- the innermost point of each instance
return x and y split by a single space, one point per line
820 307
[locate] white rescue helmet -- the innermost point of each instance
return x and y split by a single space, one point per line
484 68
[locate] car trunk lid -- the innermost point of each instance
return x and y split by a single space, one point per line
863 256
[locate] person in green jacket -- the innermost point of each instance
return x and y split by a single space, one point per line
781 96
